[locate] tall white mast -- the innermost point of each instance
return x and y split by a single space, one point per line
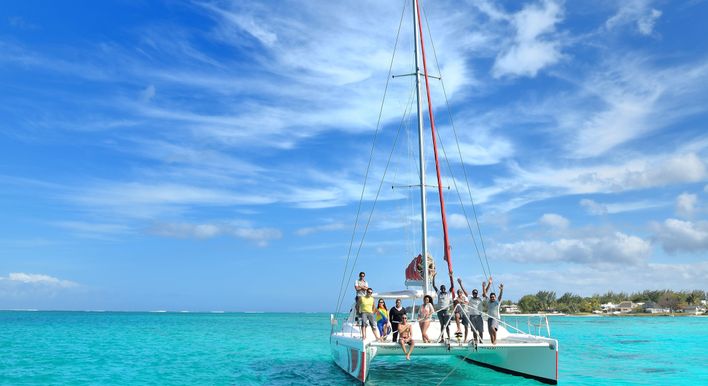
423 214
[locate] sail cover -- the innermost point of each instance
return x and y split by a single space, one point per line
414 271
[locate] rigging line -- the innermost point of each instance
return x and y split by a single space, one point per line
404 118
340 297
464 210
459 151
376 199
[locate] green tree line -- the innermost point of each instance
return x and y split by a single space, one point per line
546 301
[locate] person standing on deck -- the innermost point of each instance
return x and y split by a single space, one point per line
475 312
366 307
396 314
461 309
425 315
360 286
493 311
406 336
444 299
382 319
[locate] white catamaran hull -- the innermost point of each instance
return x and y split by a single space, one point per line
518 354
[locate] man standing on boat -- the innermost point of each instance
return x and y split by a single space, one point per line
475 312
444 299
366 307
493 311
360 286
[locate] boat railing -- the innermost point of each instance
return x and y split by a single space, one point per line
543 321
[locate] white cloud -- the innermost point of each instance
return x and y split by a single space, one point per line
149 93
646 22
260 236
37 280
614 248
140 200
686 204
586 281
636 12
593 207
638 173
319 228
92 228
623 98
530 51
554 221
597 208
678 235
458 221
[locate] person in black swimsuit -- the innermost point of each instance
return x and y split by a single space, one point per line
395 314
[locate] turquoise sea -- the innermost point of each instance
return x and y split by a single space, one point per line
121 348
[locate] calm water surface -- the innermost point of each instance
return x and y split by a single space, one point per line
73 348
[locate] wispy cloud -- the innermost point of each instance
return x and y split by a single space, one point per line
587 280
329 227
37 279
260 236
533 47
613 248
638 13
554 221
602 208
627 99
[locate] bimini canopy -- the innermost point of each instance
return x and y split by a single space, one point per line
403 295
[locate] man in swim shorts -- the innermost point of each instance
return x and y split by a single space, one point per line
493 311
406 336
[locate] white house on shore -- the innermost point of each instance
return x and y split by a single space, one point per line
510 309
695 310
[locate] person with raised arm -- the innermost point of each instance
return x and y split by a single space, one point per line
475 312
461 310
444 300
493 311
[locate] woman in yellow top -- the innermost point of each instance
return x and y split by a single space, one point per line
382 319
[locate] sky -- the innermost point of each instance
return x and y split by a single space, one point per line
210 155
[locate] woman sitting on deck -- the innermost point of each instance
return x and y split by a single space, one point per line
425 316
405 336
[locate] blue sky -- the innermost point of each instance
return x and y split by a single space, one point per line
210 155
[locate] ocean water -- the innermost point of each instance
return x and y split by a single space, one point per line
114 348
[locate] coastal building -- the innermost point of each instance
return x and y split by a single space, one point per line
695 310
625 307
510 309
608 307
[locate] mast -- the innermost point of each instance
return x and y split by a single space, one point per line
423 205
447 255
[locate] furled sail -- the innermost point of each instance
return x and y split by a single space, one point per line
414 271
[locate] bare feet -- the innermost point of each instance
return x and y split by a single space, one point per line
408 357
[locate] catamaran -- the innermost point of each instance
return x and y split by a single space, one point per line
516 352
